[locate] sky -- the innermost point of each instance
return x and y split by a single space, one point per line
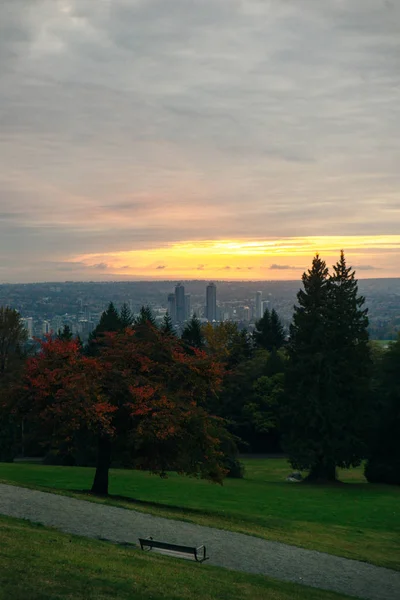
198 139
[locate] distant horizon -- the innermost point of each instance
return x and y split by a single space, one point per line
175 281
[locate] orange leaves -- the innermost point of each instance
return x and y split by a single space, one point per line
141 389
142 399
62 387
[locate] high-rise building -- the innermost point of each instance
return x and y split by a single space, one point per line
86 312
265 305
57 323
211 302
172 307
46 327
187 307
85 327
180 303
28 324
258 314
246 313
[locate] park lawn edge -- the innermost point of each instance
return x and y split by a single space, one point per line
74 560
224 522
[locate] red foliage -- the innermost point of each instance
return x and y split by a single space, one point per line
143 392
63 390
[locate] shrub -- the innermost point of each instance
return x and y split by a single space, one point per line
378 470
235 467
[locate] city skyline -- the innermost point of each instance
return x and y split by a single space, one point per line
206 139
80 305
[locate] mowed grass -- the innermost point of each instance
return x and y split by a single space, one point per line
353 519
383 343
37 563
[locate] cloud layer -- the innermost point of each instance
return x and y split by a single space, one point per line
136 124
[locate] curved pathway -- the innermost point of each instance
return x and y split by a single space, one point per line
235 551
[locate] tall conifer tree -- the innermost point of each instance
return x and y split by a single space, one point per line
305 411
327 379
167 326
351 365
192 334
383 464
126 316
65 333
269 333
109 322
145 317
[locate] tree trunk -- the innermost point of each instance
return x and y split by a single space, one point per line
100 483
323 472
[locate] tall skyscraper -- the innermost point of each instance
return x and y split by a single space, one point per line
258 305
211 302
187 307
57 323
265 305
28 324
180 303
86 312
46 327
172 307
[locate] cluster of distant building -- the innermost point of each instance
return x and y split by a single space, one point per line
179 307
179 304
81 324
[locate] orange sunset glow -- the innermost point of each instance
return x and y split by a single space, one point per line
246 259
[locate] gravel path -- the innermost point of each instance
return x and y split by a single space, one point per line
226 549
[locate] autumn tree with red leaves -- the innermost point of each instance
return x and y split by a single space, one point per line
141 395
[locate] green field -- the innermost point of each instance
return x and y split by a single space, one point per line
353 519
384 343
42 564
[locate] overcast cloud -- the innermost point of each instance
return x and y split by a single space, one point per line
130 124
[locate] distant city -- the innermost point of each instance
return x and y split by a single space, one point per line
47 307
179 307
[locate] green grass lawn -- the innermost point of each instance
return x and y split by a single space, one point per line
37 563
356 519
383 342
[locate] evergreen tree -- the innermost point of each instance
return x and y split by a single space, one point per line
145 317
65 333
269 333
262 331
192 334
109 322
383 465
276 363
277 332
306 410
327 380
351 362
167 326
13 336
126 316
145 324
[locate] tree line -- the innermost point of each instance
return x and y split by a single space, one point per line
137 395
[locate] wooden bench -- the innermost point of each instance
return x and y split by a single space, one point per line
199 553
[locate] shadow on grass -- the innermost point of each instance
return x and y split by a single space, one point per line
147 503
188 514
